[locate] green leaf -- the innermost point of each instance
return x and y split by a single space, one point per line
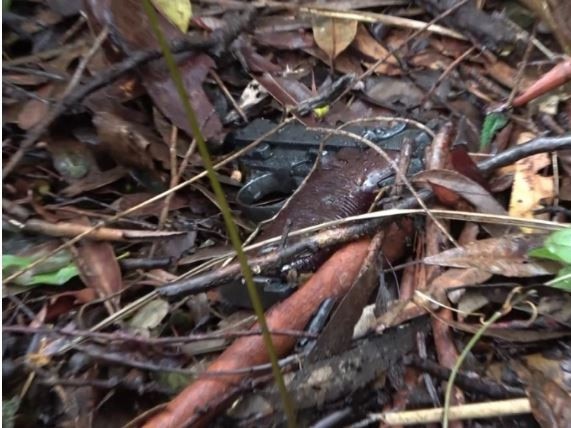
559 243
9 260
544 253
563 279
9 409
58 276
492 124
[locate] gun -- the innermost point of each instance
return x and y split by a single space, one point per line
278 165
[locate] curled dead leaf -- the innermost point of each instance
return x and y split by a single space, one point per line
332 35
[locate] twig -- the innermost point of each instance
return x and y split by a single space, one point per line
175 176
491 409
521 70
231 272
71 230
119 358
51 53
226 92
154 341
391 20
513 154
173 182
327 238
112 383
467 382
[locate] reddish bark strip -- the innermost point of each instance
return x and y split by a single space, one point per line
554 78
333 279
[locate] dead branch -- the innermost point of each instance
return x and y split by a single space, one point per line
70 230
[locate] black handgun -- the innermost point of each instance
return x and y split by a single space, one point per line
278 165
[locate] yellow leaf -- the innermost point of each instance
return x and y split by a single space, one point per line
529 187
333 35
321 112
178 12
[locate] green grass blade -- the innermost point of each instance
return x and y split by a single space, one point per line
224 207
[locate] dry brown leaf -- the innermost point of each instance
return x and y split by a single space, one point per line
99 269
459 277
530 188
368 46
332 35
35 110
468 189
506 256
506 75
550 404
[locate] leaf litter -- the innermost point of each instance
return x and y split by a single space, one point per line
84 324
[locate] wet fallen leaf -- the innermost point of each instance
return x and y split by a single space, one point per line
550 404
493 123
132 29
99 269
128 144
506 256
393 93
344 63
34 110
373 50
529 187
64 302
95 180
56 270
465 165
460 277
288 91
453 182
285 39
333 35
251 59
56 277
194 70
505 74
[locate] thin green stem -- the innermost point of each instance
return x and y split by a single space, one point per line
224 207
460 360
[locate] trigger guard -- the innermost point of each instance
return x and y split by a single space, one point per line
259 187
